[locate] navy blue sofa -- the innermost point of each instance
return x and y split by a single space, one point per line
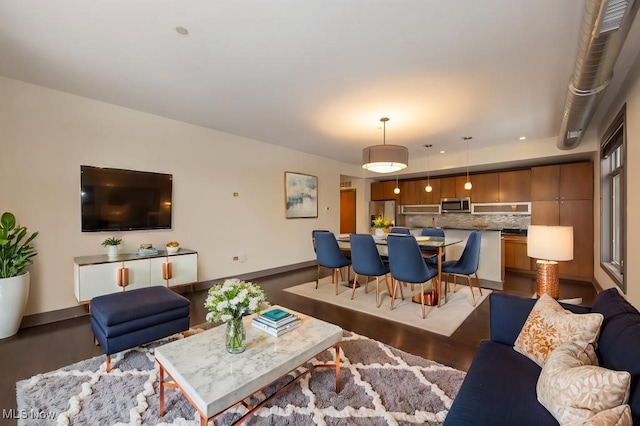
500 387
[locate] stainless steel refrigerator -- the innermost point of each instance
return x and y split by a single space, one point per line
382 208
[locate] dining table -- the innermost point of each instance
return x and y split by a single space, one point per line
428 245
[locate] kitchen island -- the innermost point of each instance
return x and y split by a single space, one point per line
490 267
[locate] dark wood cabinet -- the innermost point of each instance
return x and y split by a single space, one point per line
434 196
486 188
563 195
448 187
515 253
515 186
383 190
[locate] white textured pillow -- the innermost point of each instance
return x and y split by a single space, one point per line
549 325
574 391
617 416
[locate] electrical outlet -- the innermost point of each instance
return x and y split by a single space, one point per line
235 258
242 258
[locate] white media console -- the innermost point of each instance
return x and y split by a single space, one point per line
98 275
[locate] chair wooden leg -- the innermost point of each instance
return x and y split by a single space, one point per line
424 313
378 292
393 296
335 279
355 283
366 285
455 282
401 293
473 297
108 363
386 281
478 282
317 277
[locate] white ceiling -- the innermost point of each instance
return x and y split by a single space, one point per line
315 76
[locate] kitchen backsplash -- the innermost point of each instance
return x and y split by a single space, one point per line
464 220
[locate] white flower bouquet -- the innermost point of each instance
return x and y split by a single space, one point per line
233 299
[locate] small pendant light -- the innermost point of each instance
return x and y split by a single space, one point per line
428 188
396 190
467 185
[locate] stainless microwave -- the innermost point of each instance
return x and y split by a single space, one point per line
455 205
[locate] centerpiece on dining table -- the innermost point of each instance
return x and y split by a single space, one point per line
229 302
382 225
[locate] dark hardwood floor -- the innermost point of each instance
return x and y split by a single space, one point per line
44 348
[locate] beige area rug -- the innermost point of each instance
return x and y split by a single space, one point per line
443 320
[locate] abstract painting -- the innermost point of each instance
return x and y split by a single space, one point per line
300 195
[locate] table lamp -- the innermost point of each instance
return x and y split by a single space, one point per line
549 244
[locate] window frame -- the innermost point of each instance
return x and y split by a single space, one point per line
613 158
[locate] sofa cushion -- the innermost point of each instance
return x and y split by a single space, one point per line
617 416
574 390
499 389
619 342
549 325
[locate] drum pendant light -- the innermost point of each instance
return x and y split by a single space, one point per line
428 188
385 158
467 185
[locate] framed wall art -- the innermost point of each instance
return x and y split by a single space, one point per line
300 195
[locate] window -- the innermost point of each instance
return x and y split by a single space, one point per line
613 202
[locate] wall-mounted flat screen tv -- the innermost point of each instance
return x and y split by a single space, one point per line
124 200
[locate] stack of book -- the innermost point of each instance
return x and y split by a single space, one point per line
276 322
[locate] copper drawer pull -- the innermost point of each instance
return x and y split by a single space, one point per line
167 271
123 277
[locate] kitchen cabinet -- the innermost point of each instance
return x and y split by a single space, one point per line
383 190
453 187
486 188
573 181
432 197
515 186
99 275
412 192
515 253
576 213
563 195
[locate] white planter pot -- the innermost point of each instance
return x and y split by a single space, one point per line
112 251
379 232
14 293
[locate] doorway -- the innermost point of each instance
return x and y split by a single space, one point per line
347 211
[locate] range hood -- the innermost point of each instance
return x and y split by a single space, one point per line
605 25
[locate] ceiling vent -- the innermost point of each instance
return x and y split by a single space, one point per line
604 29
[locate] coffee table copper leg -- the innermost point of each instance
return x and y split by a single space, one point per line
338 368
161 377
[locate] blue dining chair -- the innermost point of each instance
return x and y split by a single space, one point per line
329 255
432 232
467 265
366 260
408 266
400 230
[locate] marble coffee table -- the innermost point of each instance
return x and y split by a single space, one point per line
214 380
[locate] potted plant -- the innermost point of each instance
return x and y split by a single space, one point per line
382 224
112 246
16 254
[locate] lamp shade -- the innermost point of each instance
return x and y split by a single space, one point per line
550 242
385 158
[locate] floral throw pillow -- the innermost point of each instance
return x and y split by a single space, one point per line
576 392
549 325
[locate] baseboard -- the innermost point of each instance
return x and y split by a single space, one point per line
82 310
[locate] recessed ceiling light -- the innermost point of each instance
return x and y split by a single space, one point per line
442 152
522 138
182 30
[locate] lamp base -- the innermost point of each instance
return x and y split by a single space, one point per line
547 278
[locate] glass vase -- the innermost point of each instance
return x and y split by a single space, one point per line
235 336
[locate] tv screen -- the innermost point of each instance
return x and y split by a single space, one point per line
124 200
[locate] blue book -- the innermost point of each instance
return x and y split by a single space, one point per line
276 317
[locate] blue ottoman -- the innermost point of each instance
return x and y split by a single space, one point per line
131 318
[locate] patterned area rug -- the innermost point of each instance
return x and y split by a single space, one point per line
444 320
380 385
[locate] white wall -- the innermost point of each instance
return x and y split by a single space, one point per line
45 136
629 93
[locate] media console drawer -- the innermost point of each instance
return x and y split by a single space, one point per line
99 275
